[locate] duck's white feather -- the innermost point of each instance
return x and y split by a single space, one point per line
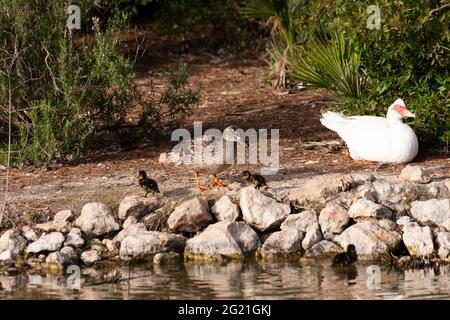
374 138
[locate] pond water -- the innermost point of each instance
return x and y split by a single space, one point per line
236 280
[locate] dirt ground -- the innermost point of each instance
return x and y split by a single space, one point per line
232 92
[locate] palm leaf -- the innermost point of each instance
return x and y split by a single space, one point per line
327 61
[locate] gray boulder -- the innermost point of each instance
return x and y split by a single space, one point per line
364 208
90 257
47 242
12 242
414 174
418 240
333 218
96 219
74 238
225 210
312 236
234 240
300 221
260 211
144 245
443 242
285 244
190 216
323 249
372 238
432 212
61 222
321 188
136 206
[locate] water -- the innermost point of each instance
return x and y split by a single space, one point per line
235 280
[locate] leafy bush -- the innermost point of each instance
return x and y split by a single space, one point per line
62 89
329 62
229 30
174 103
281 16
407 57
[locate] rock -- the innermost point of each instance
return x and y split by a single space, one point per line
74 238
29 233
414 174
230 239
395 195
323 249
111 246
12 242
399 196
367 192
148 243
333 218
190 216
320 188
90 257
225 209
129 221
403 220
372 238
168 158
47 242
61 222
433 191
136 206
443 242
261 211
432 212
166 257
55 258
164 158
312 236
418 240
300 221
286 244
96 219
447 184
130 230
6 256
69 255
364 208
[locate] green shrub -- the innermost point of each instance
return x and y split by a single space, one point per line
63 90
329 62
408 58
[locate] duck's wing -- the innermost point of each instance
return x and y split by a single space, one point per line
184 153
355 127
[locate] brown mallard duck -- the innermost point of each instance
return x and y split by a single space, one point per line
211 162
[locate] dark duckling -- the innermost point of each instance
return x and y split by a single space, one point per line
149 185
255 179
345 258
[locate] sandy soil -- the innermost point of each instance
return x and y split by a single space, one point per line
232 93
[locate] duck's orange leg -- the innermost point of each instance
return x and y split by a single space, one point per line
217 183
199 186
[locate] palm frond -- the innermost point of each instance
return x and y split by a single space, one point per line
327 61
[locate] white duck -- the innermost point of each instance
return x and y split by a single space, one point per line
378 139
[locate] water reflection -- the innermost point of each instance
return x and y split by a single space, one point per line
233 280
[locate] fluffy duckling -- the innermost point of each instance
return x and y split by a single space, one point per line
255 179
345 258
149 185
